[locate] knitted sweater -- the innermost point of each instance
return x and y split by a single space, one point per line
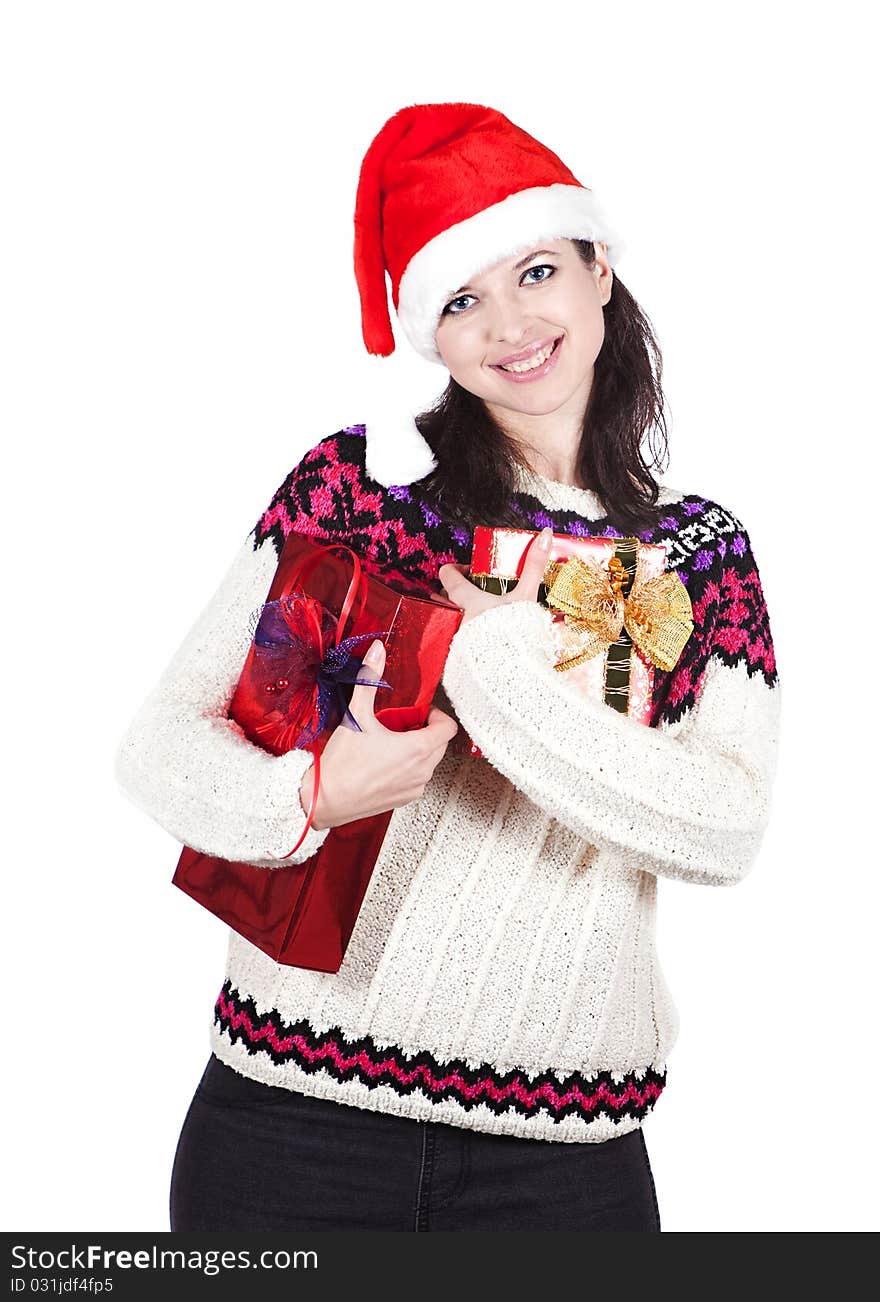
502 973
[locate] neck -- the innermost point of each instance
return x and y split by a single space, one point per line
560 472
553 455
559 466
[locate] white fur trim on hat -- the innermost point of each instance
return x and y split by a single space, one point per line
434 274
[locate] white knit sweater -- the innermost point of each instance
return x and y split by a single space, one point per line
502 974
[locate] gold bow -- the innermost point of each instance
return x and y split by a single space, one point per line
657 614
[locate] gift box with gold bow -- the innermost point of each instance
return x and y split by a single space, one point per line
618 613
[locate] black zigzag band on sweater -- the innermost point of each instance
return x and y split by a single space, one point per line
502 1092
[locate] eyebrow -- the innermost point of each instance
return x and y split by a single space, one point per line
536 254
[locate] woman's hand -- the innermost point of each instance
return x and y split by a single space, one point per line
474 601
374 770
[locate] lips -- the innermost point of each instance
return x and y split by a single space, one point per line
537 372
526 353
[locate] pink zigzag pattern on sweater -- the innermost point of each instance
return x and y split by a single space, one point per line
239 1019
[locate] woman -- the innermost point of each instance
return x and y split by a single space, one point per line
498 1031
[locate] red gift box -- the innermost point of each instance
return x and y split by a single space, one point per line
616 672
302 915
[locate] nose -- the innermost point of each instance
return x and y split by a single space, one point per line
511 329
508 324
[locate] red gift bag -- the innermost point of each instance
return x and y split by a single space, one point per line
294 689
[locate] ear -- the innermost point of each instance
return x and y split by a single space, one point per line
602 269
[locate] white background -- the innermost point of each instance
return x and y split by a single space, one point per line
180 323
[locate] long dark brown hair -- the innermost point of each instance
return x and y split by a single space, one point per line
476 459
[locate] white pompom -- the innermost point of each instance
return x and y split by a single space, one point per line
396 453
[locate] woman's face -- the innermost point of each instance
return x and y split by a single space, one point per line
536 298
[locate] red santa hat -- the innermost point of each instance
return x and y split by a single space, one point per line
445 191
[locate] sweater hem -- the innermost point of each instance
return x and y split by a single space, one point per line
579 1108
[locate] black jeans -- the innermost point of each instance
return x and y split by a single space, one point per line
262 1157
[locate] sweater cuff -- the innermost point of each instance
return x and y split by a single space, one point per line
284 814
508 646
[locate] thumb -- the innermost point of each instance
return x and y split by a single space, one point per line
534 566
363 696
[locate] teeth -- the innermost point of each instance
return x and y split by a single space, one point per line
538 360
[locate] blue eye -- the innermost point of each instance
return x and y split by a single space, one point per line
544 266
451 310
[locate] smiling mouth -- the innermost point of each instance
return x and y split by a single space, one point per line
530 365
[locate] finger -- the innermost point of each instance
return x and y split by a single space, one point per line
534 567
542 544
451 581
442 722
453 568
447 573
363 697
